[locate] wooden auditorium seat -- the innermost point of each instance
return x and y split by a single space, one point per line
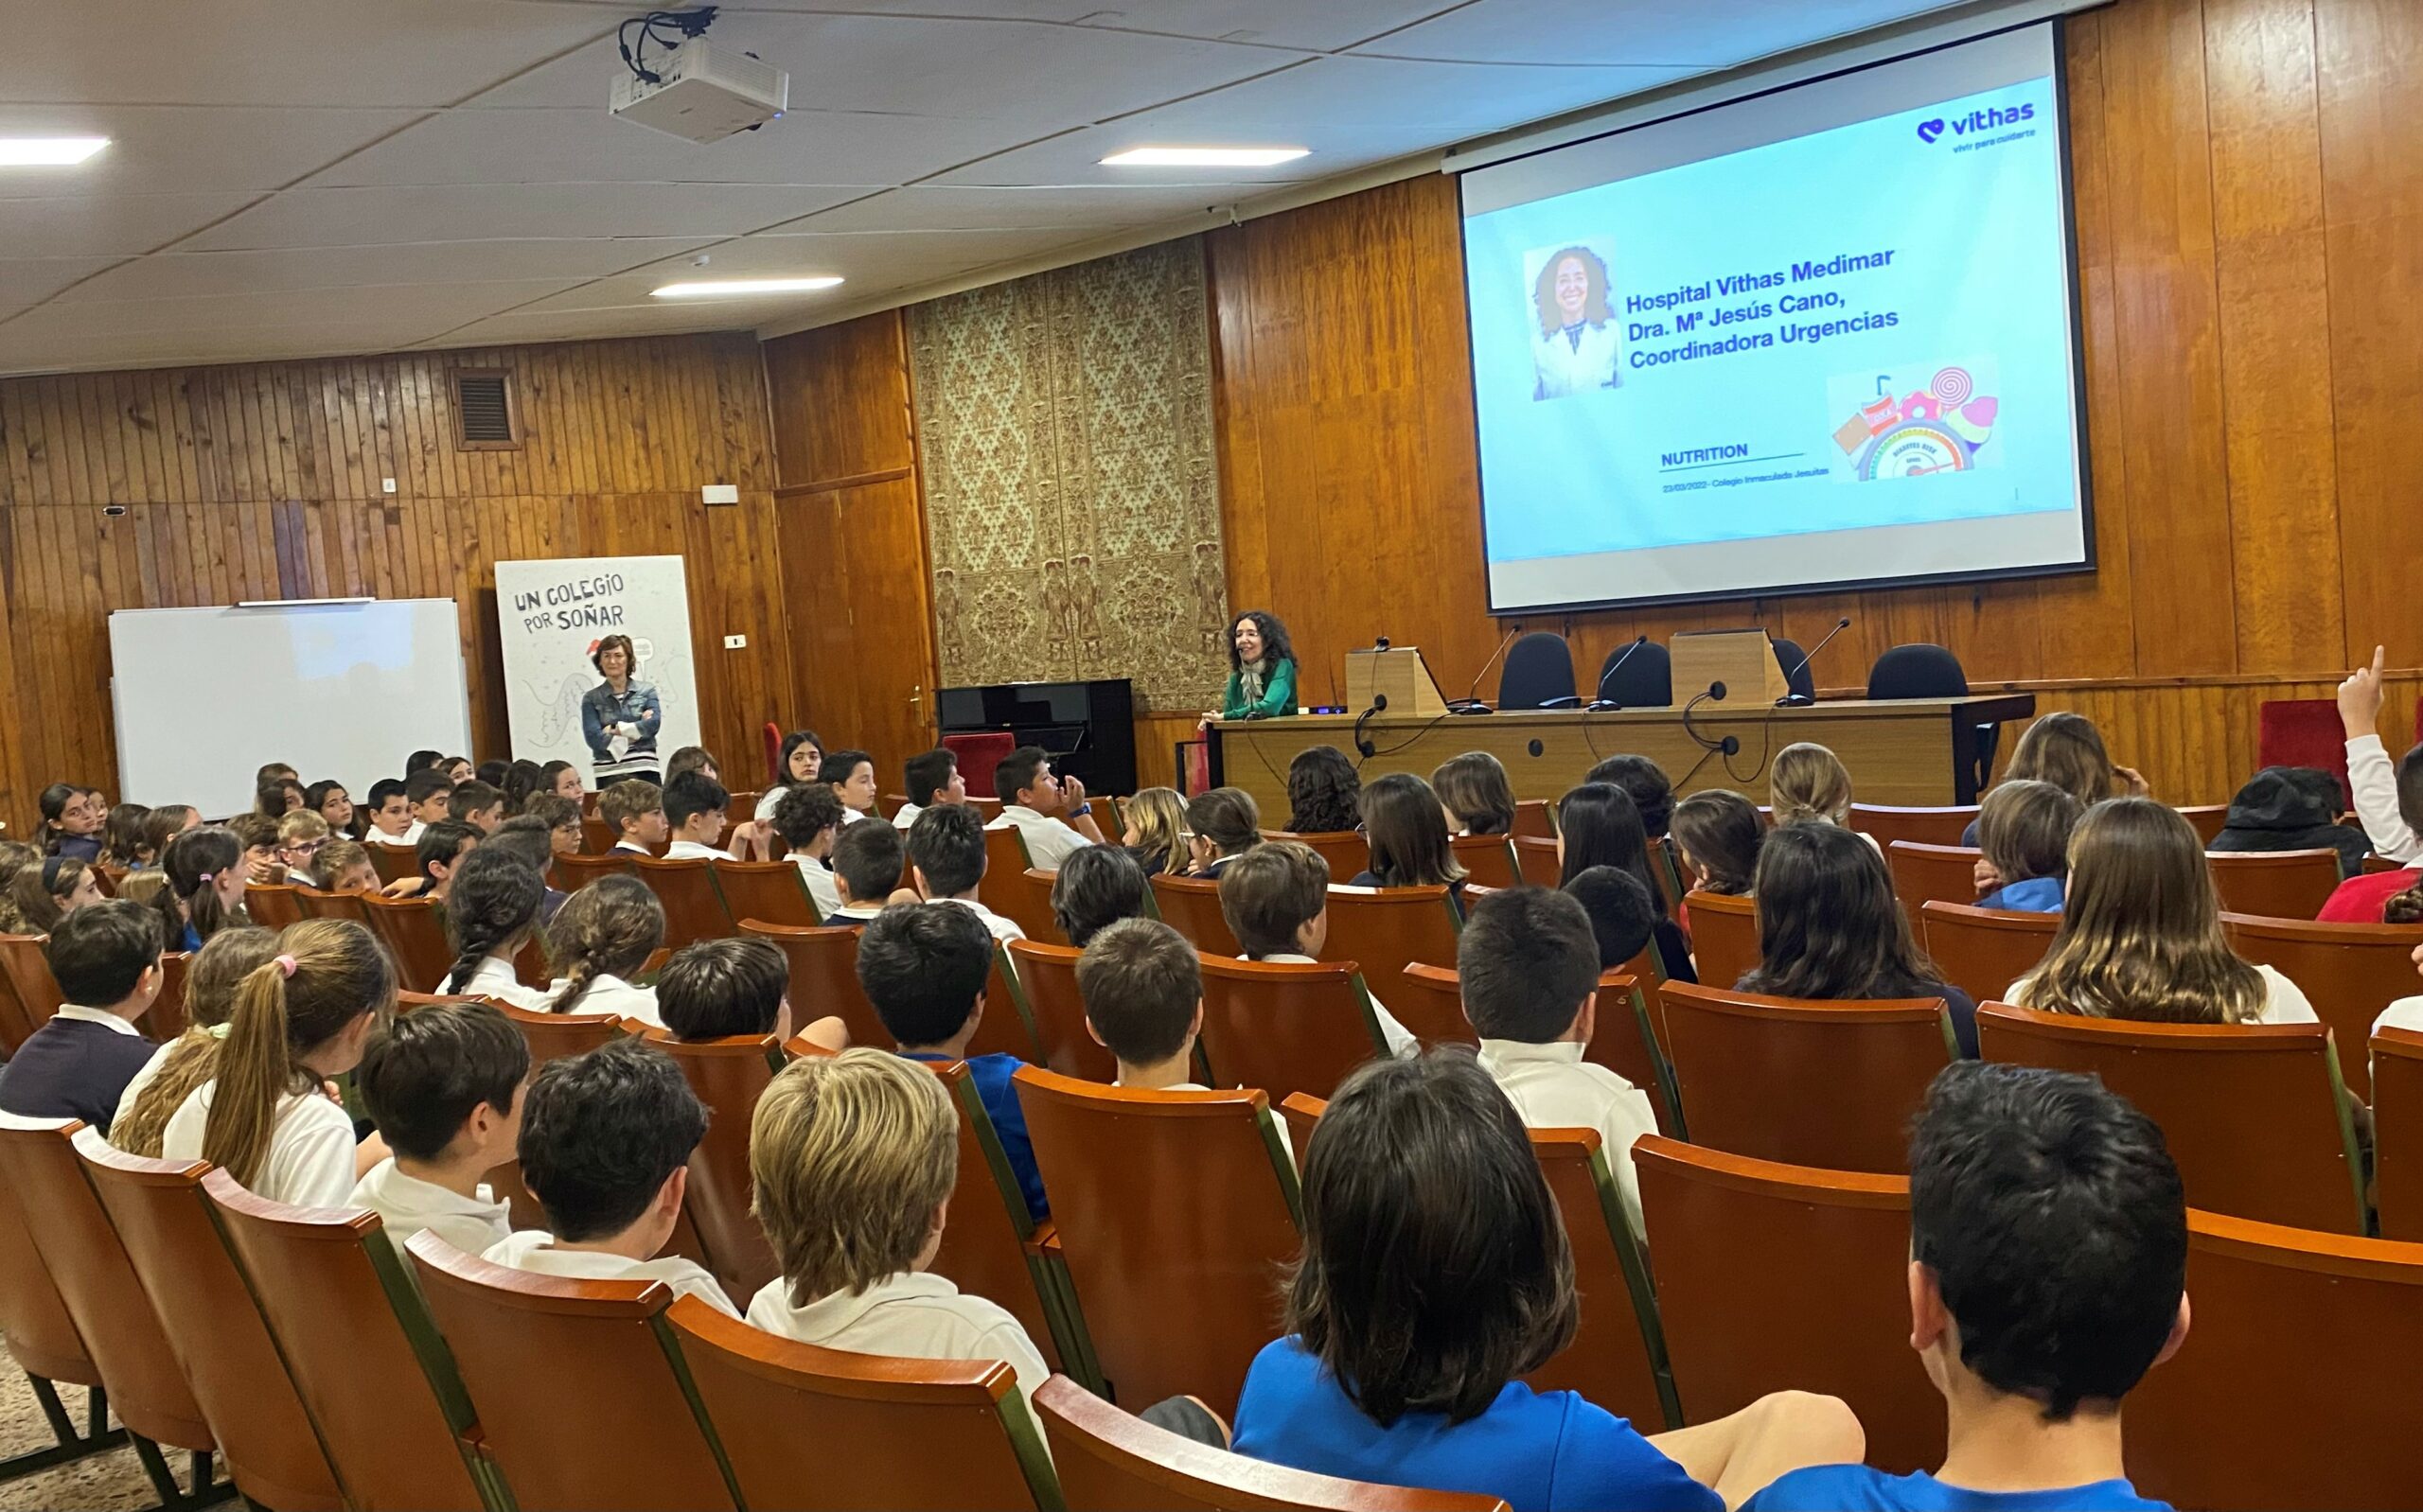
771 890
1535 858
2318 1334
1487 859
1534 818
2206 819
992 1247
16 1026
729 1075
348 906
1831 1084
1283 1027
28 973
414 932
271 905
2397 1132
1048 974
1618 1357
1667 869
1924 826
1429 1000
1008 1025
580 1403
2348 972
818 1430
597 837
1387 929
1932 873
367 1361
113 1314
1175 1210
1191 905
41 1338
165 1018
824 976
2255 1114
1109 1461
393 863
214 1331
1983 951
577 871
1725 935
1346 851
2274 884
1003 887
1037 906
1835 1318
693 910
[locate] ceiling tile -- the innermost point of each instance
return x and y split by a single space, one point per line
1581 32
371 216
26 282
1323 26
194 274
1097 207
266 309
864 259
182 149
118 225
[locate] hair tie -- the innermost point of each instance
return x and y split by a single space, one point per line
285 965
205 877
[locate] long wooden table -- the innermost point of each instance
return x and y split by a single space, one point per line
1916 752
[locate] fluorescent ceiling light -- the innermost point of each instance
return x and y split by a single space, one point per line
47 151
1203 157
728 287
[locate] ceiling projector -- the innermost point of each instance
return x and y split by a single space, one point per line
703 93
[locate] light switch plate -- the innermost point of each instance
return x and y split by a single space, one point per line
720 493
734 642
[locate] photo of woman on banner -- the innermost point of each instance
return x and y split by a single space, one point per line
1575 352
621 716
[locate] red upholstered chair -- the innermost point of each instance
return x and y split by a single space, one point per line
2302 732
978 755
772 734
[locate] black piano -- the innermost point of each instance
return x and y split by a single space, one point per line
1089 727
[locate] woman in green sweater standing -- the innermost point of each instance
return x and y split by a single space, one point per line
1262 670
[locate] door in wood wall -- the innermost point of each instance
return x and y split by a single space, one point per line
861 614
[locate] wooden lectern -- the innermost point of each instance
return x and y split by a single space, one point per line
1399 674
1744 660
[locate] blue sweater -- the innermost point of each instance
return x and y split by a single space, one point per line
70 1068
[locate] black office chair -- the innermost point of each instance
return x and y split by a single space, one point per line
1927 671
1538 673
1646 680
1796 676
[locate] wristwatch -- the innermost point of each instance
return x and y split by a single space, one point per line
1082 810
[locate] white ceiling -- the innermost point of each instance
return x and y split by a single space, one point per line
292 178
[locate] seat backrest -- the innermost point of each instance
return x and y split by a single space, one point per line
596 835
416 937
1539 667
1836 1319
1176 1213
1038 885
1618 1358
1008 1025
2348 972
393 863
978 754
165 1018
2274 884
984 1249
552 1035
1932 873
28 973
729 1075
1047 974
1533 819
2255 1114
2397 1132
1108 1460
2302 732
370 1365
575 872
1983 951
113 1313
824 976
1429 1000
771 890
811 1429
214 1331
34 1322
317 904
15 1026
2326 1329
1487 859
1827 1084
1666 869
1003 887
1646 679
2208 819
1286 1027
1346 851
634 1438
1191 905
1725 935
693 911
1921 826
271 905
1535 858
1918 670
1387 929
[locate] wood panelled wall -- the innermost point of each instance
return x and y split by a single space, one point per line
268 481
2249 182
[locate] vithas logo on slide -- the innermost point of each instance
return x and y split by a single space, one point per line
1929 131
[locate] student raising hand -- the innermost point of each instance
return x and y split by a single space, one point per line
2359 697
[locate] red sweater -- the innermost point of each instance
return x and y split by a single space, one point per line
2358 900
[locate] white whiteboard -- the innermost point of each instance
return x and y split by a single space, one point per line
346 691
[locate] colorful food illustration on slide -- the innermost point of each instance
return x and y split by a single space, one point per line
1913 422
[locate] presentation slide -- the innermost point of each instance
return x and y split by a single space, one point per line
1818 337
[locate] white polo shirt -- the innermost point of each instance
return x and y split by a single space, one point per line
494 978
609 993
1003 929
693 850
910 1315
1554 1087
1049 840
533 1249
310 1148
407 1205
822 889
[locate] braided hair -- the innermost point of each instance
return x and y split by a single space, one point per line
490 908
610 927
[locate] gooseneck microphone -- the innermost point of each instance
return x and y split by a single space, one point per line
1802 700
1471 702
1600 702
1364 745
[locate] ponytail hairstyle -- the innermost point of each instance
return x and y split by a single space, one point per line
219 968
42 889
2404 907
122 836
193 863
610 927
522 779
162 825
54 801
328 972
491 908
